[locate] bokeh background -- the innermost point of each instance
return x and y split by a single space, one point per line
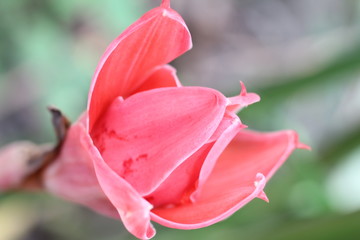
301 56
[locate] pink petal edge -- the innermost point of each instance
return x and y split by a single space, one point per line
72 175
167 38
196 215
221 143
161 76
185 179
244 99
259 185
165 3
132 208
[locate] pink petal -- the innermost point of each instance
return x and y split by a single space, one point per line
181 183
214 206
229 119
132 208
155 39
161 76
237 178
147 136
243 100
177 188
233 127
72 176
272 150
165 3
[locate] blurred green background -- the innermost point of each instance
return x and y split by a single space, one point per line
301 56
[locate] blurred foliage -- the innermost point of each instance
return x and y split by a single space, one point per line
302 57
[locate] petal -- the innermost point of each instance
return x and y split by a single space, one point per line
233 124
161 76
229 119
231 183
72 175
144 143
134 211
243 100
181 183
272 149
214 205
155 39
177 188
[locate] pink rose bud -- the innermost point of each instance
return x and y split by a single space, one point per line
149 149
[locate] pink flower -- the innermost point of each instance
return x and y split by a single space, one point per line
149 149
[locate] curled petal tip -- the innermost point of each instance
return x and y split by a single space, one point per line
243 92
259 183
244 99
165 4
243 126
263 196
243 89
259 180
303 146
